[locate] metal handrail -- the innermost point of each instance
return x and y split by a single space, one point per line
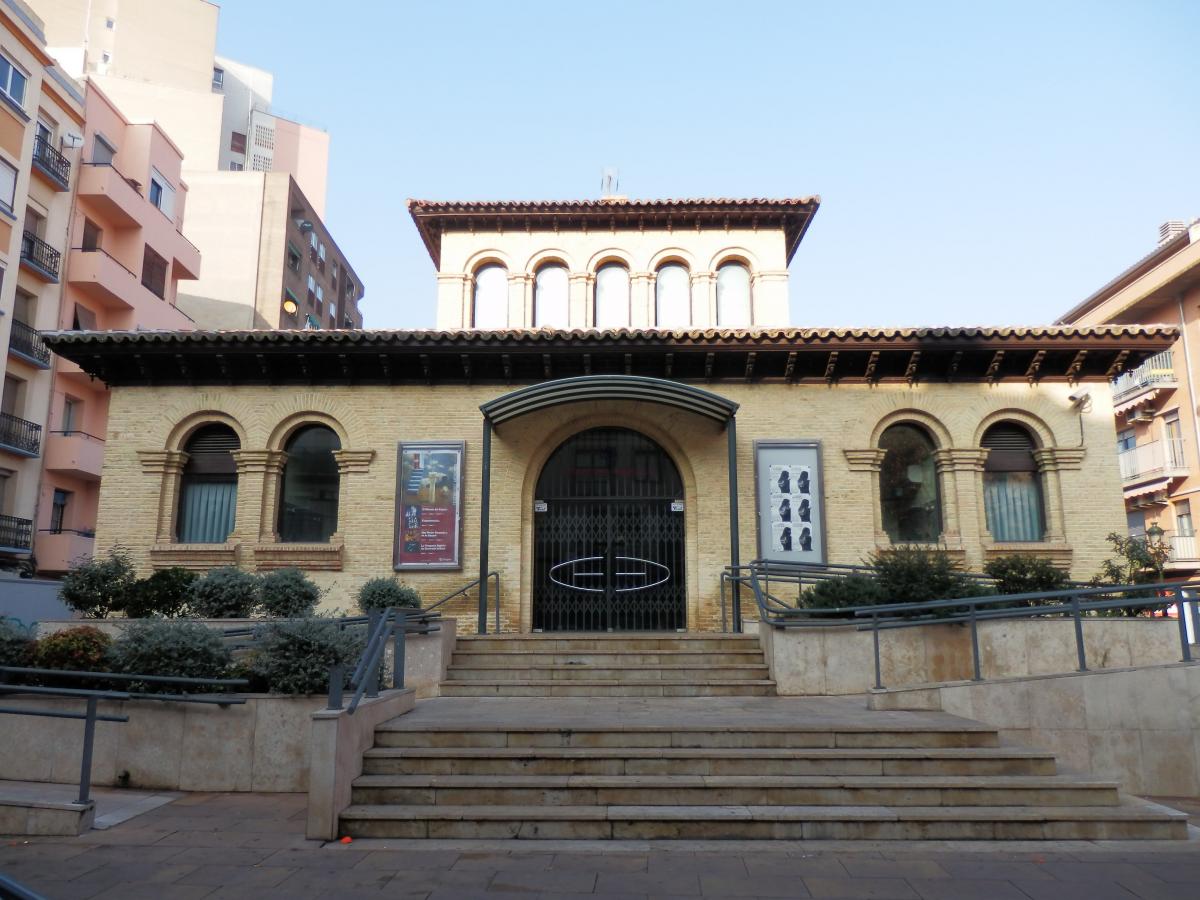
10 890
466 587
73 432
51 160
36 251
394 624
105 253
26 339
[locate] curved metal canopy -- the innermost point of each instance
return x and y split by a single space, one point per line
609 387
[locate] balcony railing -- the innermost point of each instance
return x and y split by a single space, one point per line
15 533
18 434
25 340
1183 546
1161 458
40 255
50 161
1157 371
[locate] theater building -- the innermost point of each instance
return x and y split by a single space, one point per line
613 409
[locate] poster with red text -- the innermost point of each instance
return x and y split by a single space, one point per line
429 506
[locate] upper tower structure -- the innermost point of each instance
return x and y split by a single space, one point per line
613 263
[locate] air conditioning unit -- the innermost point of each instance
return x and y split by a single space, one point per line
1140 415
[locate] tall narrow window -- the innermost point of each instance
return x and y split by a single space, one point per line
154 273
72 415
908 486
8 185
550 289
733 296
490 308
1173 440
102 152
673 297
1012 485
58 510
612 296
308 506
91 236
208 489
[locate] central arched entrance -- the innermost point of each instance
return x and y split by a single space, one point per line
608 536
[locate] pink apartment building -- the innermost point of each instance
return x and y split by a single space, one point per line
125 257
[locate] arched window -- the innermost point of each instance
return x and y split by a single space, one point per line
208 489
550 306
308 504
733 296
612 296
908 486
490 307
673 297
1012 485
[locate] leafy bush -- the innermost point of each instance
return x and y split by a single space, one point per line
288 593
224 593
16 643
382 593
83 649
96 587
1138 560
1022 573
294 657
165 593
839 593
175 648
916 575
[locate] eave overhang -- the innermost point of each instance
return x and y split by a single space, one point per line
801 356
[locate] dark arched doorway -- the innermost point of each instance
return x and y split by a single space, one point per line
608 536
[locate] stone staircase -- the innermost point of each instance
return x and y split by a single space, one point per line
608 665
512 751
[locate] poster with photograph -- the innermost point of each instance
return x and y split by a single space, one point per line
787 476
429 506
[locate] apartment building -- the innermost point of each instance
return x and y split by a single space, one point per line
281 268
1158 433
126 257
41 131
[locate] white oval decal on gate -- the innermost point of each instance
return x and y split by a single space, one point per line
587 573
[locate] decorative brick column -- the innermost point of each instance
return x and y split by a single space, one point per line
958 467
704 299
641 300
580 313
1051 461
258 484
869 462
167 466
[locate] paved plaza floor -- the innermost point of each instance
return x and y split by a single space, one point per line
252 846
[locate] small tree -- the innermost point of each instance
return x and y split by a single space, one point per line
96 587
1024 573
288 593
1138 560
224 593
164 593
82 649
382 593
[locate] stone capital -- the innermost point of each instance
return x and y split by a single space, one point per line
162 462
1059 458
270 461
353 460
965 459
864 460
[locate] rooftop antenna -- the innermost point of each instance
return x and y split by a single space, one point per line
610 184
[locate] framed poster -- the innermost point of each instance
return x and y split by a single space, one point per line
429 505
789 501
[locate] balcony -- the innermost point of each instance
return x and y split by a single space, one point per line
74 453
1184 553
16 535
39 257
1156 459
19 436
25 343
101 277
58 549
118 198
47 161
1155 374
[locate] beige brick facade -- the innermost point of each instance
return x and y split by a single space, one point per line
148 427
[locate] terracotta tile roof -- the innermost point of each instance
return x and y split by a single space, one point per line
434 217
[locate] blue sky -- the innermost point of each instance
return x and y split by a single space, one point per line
978 163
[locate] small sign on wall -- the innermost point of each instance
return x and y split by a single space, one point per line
540 506
788 498
676 506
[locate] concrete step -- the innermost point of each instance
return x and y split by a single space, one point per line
1132 820
542 658
395 733
923 761
727 790
606 688
680 674
606 643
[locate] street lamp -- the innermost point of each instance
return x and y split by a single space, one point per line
1155 534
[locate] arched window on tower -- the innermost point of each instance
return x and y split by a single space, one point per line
490 302
733 296
909 497
1012 485
208 488
612 296
550 297
673 296
308 496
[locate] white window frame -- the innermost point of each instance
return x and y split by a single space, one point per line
6 81
321 252
6 203
312 284
100 141
166 203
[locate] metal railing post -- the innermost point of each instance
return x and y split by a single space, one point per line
399 640
497 574
1183 631
89 738
975 643
1079 649
724 615
337 679
875 641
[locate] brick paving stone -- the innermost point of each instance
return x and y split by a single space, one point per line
860 888
663 883
543 880
894 868
794 867
343 859
406 860
498 861
1168 870
237 876
1097 870
151 890
697 864
1085 890
1162 890
996 870
217 856
964 889
752 886
600 862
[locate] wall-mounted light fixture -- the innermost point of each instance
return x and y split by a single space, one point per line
289 306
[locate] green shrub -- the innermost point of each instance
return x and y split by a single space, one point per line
16 643
165 593
96 587
82 649
1022 573
224 593
288 593
294 657
917 575
382 593
174 648
842 592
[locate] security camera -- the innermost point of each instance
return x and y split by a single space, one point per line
1079 400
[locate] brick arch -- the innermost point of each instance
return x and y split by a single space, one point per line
184 418
1043 434
934 426
290 424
